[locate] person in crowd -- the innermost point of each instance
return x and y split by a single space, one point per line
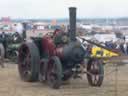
18 28
127 47
122 47
108 44
89 50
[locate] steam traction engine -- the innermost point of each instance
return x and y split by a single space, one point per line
57 58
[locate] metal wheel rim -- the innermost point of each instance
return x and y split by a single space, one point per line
51 74
25 61
94 73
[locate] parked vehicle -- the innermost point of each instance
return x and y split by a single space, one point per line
10 43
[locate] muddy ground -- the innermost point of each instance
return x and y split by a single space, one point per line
12 85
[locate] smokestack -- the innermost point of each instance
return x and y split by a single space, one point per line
72 15
24 30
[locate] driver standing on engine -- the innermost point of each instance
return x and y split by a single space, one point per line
60 37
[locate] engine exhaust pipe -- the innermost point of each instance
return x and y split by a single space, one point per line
24 30
72 21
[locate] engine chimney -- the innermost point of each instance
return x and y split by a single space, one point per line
72 15
24 30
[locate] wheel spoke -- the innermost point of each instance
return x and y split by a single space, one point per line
23 53
95 69
96 79
28 57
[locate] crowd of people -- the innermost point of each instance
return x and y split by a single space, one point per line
121 45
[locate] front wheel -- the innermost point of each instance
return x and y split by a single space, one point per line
54 72
95 72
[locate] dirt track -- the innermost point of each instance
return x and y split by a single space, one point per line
11 85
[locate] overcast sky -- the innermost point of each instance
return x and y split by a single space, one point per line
59 8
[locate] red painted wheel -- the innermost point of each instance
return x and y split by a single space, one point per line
95 73
28 62
54 72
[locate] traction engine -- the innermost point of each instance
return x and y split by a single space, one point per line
55 59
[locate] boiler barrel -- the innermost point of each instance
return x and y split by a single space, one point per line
73 52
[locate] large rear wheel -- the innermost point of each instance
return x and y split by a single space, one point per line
2 54
95 72
28 62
